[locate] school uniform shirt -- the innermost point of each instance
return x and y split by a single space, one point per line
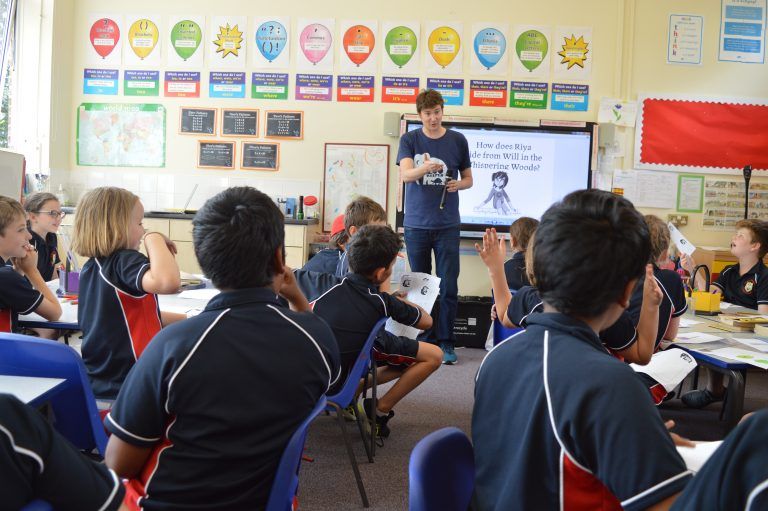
47 253
313 284
579 430
342 266
422 197
38 463
17 296
748 290
514 270
324 261
736 475
673 305
218 396
117 317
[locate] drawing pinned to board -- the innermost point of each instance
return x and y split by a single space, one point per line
227 42
532 51
489 55
104 39
186 37
272 43
352 170
401 41
143 40
574 46
443 52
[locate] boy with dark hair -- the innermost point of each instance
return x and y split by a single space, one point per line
354 305
361 211
205 414
573 414
36 462
327 259
744 284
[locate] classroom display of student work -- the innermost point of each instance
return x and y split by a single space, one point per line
724 203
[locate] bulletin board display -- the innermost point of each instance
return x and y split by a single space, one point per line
352 170
703 135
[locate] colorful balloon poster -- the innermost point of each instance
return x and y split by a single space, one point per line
271 45
104 39
399 48
142 41
357 49
531 48
314 45
444 48
572 48
184 36
489 55
227 39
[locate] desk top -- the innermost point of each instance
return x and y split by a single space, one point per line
28 388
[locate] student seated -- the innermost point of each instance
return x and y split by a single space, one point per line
118 308
361 211
206 412
44 217
520 233
354 305
327 259
744 284
22 288
38 463
572 414
735 476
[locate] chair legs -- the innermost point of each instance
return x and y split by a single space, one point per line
350 453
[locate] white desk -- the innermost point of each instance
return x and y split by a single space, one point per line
29 389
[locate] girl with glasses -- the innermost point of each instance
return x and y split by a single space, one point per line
44 217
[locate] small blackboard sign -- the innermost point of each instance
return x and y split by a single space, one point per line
282 124
215 154
198 121
239 123
260 156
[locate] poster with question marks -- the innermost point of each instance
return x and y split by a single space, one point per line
272 41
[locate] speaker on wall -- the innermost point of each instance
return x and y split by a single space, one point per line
392 124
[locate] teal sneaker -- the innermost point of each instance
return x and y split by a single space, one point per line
449 355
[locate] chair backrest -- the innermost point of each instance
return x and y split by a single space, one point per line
287 477
441 472
502 333
37 505
344 396
74 407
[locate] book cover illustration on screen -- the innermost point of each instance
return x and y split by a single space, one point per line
517 170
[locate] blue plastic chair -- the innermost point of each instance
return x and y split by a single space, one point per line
345 397
74 408
286 483
441 472
502 333
37 505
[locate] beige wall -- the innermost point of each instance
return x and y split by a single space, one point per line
628 51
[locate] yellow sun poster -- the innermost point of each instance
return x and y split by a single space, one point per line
226 42
572 53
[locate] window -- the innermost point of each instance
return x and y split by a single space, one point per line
7 19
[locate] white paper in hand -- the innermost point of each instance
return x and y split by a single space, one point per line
682 244
422 289
668 367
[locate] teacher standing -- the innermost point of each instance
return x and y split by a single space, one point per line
431 160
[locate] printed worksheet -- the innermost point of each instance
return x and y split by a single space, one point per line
422 289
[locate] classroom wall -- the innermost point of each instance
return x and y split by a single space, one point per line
628 49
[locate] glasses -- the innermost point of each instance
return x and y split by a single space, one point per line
53 213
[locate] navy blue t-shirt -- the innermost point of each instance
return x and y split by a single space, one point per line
579 431
324 261
17 296
36 462
514 271
422 197
47 253
117 317
736 475
219 395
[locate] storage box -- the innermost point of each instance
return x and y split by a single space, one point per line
69 282
473 320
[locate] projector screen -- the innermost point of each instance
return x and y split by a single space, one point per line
518 171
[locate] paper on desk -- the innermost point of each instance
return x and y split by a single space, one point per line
685 322
668 367
745 356
422 290
199 294
683 245
725 305
696 338
695 457
755 344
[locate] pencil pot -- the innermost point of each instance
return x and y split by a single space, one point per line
69 282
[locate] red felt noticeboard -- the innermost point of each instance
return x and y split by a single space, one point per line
683 134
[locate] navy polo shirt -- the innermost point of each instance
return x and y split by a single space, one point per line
748 290
324 261
17 296
342 267
117 317
219 395
38 463
422 197
673 304
736 475
353 306
47 253
313 283
514 270
579 430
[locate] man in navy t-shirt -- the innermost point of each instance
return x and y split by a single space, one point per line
431 160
